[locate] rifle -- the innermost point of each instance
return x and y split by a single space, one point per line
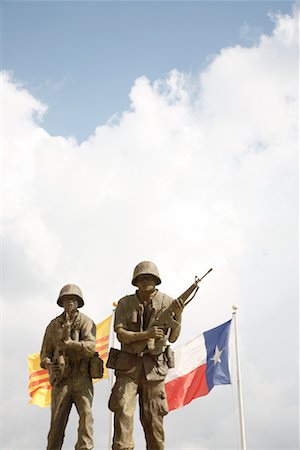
59 359
165 317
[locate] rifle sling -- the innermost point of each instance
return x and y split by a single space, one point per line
196 290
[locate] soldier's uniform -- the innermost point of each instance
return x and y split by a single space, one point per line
141 371
75 386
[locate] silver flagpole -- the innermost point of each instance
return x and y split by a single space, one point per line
111 378
239 385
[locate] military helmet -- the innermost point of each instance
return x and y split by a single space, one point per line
70 289
145 268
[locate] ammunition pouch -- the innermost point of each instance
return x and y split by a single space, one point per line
112 358
121 360
96 366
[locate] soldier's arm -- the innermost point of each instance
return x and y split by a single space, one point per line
47 349
127 337
87 342
174 334
124 335
88 338
178 308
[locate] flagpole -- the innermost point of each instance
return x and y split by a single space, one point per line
239 385
111 378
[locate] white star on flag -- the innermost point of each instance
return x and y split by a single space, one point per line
217 355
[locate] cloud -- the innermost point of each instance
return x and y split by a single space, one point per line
200 172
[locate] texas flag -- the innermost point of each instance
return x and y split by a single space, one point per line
200 364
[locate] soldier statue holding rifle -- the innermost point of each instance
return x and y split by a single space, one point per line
144 322
68 353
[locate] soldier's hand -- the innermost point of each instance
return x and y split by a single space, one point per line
178 307
60 344
70 345
156 333
54 368
47 366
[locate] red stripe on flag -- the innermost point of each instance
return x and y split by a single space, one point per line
38 373
38 382
47 387
104 338
103 355
183 390
103 347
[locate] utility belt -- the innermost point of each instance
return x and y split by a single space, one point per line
69 367
76 364
142 347
118 359
92 366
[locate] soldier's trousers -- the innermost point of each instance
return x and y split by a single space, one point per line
153 407
78 390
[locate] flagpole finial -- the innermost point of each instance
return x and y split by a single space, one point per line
234 309
115 304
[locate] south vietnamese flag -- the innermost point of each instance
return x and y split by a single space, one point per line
200 364
39 386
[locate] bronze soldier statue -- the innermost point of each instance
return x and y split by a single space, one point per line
143 361
67 351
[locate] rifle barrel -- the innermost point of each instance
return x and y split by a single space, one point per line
197 280
193 288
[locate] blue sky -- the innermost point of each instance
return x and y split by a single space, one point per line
81 58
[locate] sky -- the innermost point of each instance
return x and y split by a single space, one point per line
163 131
81 58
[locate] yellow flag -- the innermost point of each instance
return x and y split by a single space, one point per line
102 342
39 387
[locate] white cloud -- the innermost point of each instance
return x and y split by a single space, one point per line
196 174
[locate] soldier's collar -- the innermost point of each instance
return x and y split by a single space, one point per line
62 317
157 300
155 303
151 298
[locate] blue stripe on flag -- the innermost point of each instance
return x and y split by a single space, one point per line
216 341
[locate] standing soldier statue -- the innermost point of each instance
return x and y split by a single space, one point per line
143 361
68 352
